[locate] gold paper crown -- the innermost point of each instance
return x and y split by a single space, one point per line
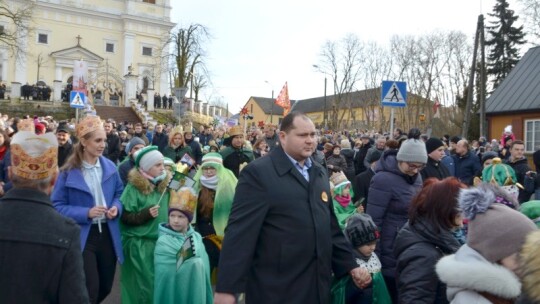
184 199
26 125
338 178
235 131
175 130
88 124
29 167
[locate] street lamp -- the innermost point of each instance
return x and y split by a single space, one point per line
271 104
324 115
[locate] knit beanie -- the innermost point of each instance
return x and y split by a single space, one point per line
361 230
494 230
168 162
133 142
147 157
374 156
413 151
212 159
488 155
433 144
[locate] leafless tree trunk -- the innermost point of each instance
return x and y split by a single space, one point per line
18 15
189 52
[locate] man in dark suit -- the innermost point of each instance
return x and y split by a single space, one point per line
283 242
40 250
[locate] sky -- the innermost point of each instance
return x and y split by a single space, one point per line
258 45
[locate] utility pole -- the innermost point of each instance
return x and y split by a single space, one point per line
470 91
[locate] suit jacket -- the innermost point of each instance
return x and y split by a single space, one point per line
282 246
40 252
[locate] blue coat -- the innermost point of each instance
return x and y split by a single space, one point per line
72 198
466 167
390 194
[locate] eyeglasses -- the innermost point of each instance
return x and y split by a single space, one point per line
208 168
415 166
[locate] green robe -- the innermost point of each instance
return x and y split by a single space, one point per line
138 242
191 282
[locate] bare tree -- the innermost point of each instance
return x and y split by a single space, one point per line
188 53
18 15
531 12
342 61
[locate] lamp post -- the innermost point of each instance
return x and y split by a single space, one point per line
324 113
271 104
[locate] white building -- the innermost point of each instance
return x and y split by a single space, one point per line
111 35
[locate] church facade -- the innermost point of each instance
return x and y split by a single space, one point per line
114 37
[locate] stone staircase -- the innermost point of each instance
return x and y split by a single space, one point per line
119 114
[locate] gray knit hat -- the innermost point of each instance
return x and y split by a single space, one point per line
413 151
495 230
133 142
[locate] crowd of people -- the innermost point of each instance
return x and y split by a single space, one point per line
283 213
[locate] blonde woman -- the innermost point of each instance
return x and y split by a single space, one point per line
88 191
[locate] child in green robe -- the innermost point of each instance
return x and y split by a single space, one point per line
362 234
182 270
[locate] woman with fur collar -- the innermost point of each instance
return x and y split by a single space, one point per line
145 201
484 269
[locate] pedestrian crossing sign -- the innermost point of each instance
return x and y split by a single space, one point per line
77 100
394 93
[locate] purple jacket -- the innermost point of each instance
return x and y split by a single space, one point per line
72 198
390 194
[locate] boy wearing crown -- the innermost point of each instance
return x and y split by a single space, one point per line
182 269
362 234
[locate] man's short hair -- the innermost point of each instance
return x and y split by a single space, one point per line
287 122
516 142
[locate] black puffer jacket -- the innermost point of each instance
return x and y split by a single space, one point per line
417 249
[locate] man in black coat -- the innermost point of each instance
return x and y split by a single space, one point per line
519 163
113 143
40 250
283 246
160 139
362 181
434 168
65 147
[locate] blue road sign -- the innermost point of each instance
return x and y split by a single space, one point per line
77 100
394 94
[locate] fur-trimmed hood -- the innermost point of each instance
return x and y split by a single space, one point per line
467 270
144 185
530 265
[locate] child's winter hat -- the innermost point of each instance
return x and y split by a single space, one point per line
147 157
339 179
212 159
494 230
361 230
168 162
